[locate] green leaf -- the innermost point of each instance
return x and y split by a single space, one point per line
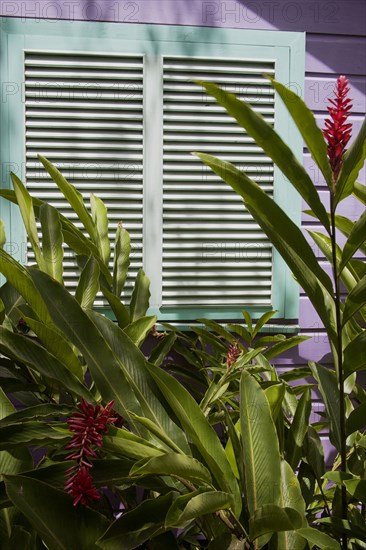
140 296
124 443
2 234
306 123
313 536
262 461
270 518
262 321
73 197
25 204
359 191
100 219
352 164
118 308
199 431
275 394
195 505
354 355
55 342
285 236
104 365
271 143
122 250
44 410
133 364
29 433
140 329
174 464
286 344
357 419
355 240
355 300
298 430
39 359
50 510
88 285
160 352
138 525
344 527
241 331
19 278
356 488
328 387
52 240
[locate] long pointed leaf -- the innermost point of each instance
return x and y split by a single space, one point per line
286 237
298 430
271 143
88 285
260 444
174 464
73 197
100 219
353 162
199 431
2 234
355 240
359 190
52 240
122 251
355 300
140 296
354 355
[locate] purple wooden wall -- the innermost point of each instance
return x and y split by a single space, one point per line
335 44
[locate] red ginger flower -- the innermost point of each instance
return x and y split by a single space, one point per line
337 132
88 427
232 355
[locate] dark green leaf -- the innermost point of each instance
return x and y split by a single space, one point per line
88 285
357 488
195 505
356 238
52 240
29 433
353 162
298 430
280 347
355 300
313 536
140 329
140 296
160 352
354 355
359 191
270 518
174 464
357 419
122 250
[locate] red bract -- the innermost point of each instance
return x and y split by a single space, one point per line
232 355
88 427
337 132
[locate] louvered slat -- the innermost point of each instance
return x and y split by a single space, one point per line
84 112
214 253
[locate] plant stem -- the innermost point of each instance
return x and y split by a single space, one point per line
339 352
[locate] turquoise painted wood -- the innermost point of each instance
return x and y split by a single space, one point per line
285 48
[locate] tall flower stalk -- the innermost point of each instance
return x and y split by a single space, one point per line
337 133
88 426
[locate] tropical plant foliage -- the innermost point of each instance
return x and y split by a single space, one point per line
208 445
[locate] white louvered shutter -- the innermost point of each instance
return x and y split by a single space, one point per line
214 254
84 112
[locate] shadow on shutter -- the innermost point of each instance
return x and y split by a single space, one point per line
214 254
84 112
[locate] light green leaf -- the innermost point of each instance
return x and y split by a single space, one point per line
124 443
195 505
275 394
359 191
328 387
262 321
354 355
100 219
355 300
286 344
262 461
174 464
356 238
50 510
88 285
2 234
356 488
133 365
199 431
140 329
353 162
73 197
140 296
270 518
306 123
313 536
25 204
104 365
271 143
19 278
285 236
55 342
122 250
357 419
160 352
138 525
298 430
241 331
39 359
118 308
52 240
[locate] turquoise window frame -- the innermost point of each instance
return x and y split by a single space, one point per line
286 48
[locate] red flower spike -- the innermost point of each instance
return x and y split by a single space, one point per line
88 426
232 355
337 132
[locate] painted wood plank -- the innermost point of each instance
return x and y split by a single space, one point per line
335 54
319 89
